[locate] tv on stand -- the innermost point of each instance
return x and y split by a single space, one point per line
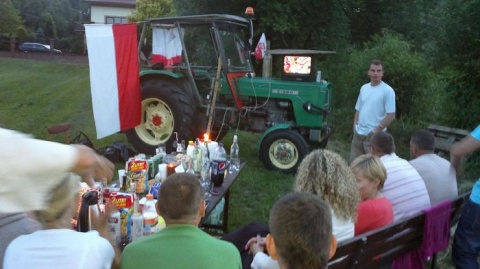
298 68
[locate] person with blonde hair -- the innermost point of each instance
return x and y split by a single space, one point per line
326 174
57 245
374 210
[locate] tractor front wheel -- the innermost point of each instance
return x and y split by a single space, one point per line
283 150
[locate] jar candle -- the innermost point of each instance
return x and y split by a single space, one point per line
170 168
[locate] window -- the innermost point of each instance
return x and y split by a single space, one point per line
115 20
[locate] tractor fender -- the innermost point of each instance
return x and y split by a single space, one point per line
149 73
281 126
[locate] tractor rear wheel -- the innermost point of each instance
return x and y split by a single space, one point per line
166 108
283 150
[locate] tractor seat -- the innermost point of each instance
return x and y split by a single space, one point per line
59 129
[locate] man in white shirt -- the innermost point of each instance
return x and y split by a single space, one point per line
374 110
437 173
404 187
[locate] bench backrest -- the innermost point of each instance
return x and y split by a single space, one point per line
381 246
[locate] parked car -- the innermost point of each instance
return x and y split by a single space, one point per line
37 47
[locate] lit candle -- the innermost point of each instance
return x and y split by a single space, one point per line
170 168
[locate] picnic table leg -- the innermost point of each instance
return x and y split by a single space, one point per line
225 212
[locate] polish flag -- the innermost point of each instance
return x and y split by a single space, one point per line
166 46
114 77
261 47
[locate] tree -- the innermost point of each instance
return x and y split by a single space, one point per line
457 55
152 9
61 12
10 19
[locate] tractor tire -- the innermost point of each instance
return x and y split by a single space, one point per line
283 150
166 108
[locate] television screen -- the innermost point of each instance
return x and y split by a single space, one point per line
297 65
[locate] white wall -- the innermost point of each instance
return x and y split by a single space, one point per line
98 14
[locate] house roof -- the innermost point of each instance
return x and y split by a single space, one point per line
112 3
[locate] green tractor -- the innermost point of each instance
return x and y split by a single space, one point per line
212 88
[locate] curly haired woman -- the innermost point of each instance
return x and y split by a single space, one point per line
326 174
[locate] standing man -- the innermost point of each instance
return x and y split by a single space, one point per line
466 243
437 173
374 110
181 244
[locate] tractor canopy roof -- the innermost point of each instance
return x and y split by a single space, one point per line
195 20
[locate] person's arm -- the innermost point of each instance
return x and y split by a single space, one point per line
355 120
100 222
466 146
385 122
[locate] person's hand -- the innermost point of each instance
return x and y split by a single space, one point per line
89 165
100 221
256 244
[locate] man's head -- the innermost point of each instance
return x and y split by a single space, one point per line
382 143
375 72
421 142
301 231
180 199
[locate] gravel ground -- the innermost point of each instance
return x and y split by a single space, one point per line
64 58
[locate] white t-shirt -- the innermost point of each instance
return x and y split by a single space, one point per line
30 169
439 176
404 187
59 248
342 229
373 104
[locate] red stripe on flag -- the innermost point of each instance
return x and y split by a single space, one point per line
128 78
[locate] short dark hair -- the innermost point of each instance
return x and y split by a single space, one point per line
300 245
376 62
180 196
383 142
423 139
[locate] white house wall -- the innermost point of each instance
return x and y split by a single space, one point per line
98 14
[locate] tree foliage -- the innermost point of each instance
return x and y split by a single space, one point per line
152 9
9 17
61 12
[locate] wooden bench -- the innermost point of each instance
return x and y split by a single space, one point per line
445 137
380 247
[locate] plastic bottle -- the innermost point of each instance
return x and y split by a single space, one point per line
150 217
219 164
234 155
190 148
197 157
137 221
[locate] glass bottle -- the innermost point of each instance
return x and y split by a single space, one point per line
234 155
197 157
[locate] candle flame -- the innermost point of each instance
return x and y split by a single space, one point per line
205 137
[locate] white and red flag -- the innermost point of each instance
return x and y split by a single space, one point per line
261 47
114 76
166 46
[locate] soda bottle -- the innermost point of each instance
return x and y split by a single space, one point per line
150 217
197 157
219 164
234 155
137 221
